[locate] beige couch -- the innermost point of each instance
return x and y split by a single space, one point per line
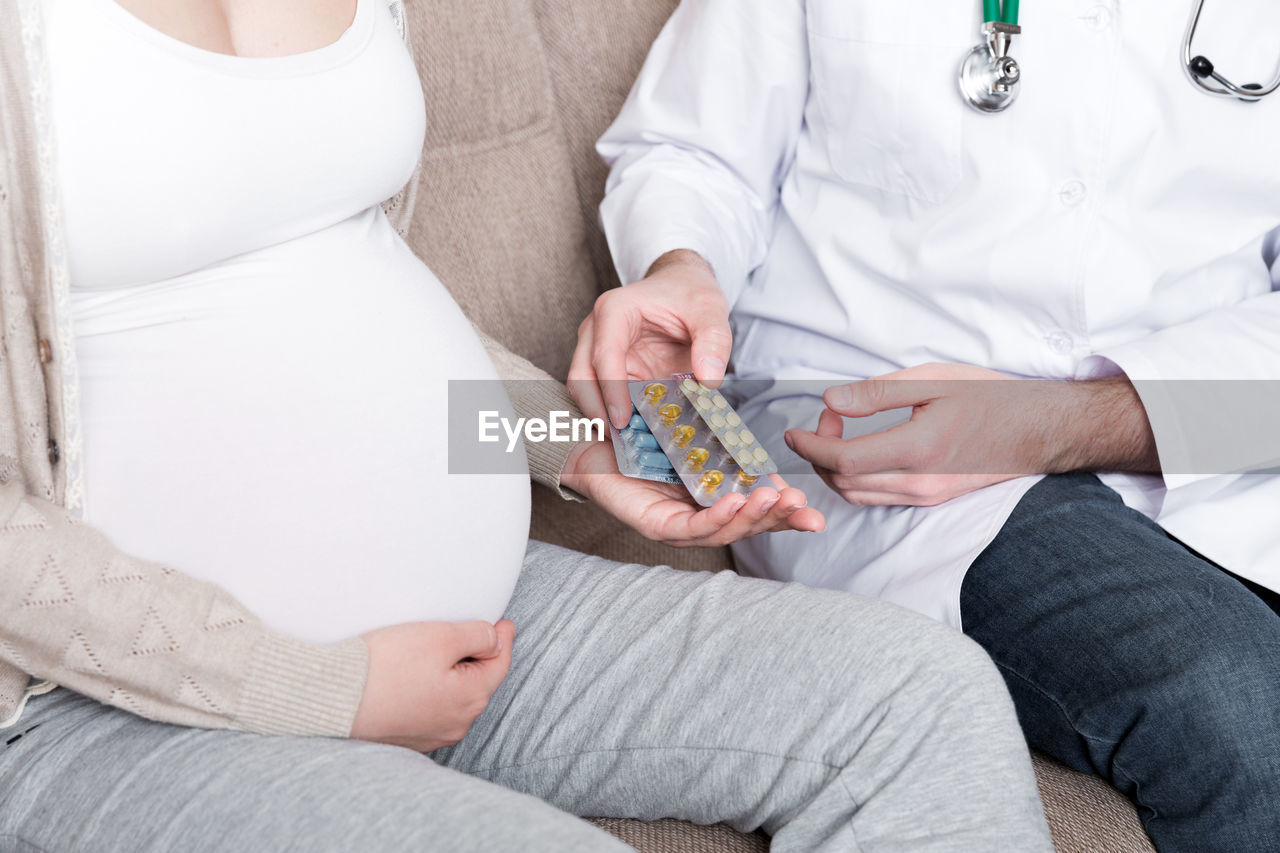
504 211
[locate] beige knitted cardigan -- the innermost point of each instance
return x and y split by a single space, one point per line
73 610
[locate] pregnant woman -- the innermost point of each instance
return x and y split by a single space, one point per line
228 530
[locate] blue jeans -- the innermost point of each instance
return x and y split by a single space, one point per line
1132 657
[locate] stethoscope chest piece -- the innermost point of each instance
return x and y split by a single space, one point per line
989 76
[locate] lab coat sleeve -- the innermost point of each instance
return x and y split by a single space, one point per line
709 128
1211 385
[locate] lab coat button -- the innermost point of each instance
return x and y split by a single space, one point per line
45 351
1072 193
1098 18
55 452
1059 342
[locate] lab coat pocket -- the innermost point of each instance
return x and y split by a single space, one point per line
884 79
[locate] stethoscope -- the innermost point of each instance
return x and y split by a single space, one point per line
989 76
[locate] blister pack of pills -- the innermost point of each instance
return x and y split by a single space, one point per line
638 453
701 437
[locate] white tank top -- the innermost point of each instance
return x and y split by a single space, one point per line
263 361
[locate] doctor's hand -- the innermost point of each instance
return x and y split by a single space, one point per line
666 513
970 428
428 681
674 320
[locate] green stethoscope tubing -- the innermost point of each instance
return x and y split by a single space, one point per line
992 13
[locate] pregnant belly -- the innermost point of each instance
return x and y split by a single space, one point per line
277 424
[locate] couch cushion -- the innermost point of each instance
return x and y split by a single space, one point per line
593 53
678 836
495 209
1086 815
587 528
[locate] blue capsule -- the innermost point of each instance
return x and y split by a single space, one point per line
644 440
654 459
637 423
639 440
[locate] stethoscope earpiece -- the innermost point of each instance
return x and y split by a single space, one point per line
1201 67
1200 70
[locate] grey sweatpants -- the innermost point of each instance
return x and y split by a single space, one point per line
834 722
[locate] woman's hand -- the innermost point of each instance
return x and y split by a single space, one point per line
667 514
428 681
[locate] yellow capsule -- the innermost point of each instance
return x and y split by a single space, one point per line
731 439
702 402
747 436
716 420
669 413
690 385
711 480
746 480
683 435
654 392
696 458
719 402
732 419
761 455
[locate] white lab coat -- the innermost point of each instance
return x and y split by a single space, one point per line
861 219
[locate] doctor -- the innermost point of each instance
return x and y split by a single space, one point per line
811 170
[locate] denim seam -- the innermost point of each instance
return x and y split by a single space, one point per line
999 521
1137 790
1062 709
1137 795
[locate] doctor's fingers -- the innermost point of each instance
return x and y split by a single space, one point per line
880 394
712 339
894 449
896 488
616 326
866 496
583 385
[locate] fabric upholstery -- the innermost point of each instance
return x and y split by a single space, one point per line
677 836
504 211
1086 815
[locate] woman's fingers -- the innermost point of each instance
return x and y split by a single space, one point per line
732 518
806 519
698 527
476 639
485 674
